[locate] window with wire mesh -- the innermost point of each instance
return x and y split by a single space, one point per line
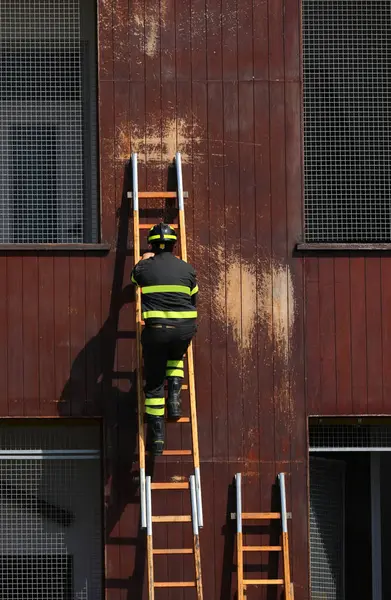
349 437
347 133
48 162
50 514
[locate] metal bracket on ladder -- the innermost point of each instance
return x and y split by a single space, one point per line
241 516
146 486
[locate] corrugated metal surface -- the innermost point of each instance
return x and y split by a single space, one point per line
220 81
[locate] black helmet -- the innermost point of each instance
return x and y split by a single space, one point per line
161 233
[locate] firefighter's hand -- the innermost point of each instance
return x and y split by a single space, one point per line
147 255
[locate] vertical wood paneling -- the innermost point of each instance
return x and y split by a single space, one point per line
312 336
261 39
63 374
358 329
279 272
343 355
47 386
374 334
3 338
31 336
386 332
77 321
15 335
327 335
264 270
93 323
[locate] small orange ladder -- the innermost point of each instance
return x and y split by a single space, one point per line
241 549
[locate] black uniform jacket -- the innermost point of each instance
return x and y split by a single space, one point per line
168 289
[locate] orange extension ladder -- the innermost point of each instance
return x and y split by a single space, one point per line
241 549
148 519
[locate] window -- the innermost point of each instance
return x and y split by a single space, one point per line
347 133
48 153
50 511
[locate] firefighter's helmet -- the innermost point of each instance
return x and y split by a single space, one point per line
161 234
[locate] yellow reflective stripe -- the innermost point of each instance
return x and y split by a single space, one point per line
133 279
154 401
160 314
175 363
154 289
159 237
194 290
174 373
156 412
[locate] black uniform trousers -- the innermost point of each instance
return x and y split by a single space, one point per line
164 347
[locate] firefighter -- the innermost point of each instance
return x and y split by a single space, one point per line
168 298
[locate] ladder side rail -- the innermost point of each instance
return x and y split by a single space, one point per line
285 541
190 356
196 538
151 579
140 396
239 535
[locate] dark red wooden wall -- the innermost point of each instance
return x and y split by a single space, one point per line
218 80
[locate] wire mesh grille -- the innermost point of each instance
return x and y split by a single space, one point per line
346 58
326 529
50 526
349 437
46 160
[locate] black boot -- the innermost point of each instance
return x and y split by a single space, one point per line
155 435
174 403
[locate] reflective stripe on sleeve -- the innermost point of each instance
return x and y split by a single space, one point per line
194 291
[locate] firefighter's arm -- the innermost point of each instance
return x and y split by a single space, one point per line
135 275
194 289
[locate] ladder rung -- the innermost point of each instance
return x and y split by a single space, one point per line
262 548
177 452
170 486
158 194
171 519
260 516
174 584
149 225
173 551
263 581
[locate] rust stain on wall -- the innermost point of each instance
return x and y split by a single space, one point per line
148 26
246 297
277 312
159 142
235 297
